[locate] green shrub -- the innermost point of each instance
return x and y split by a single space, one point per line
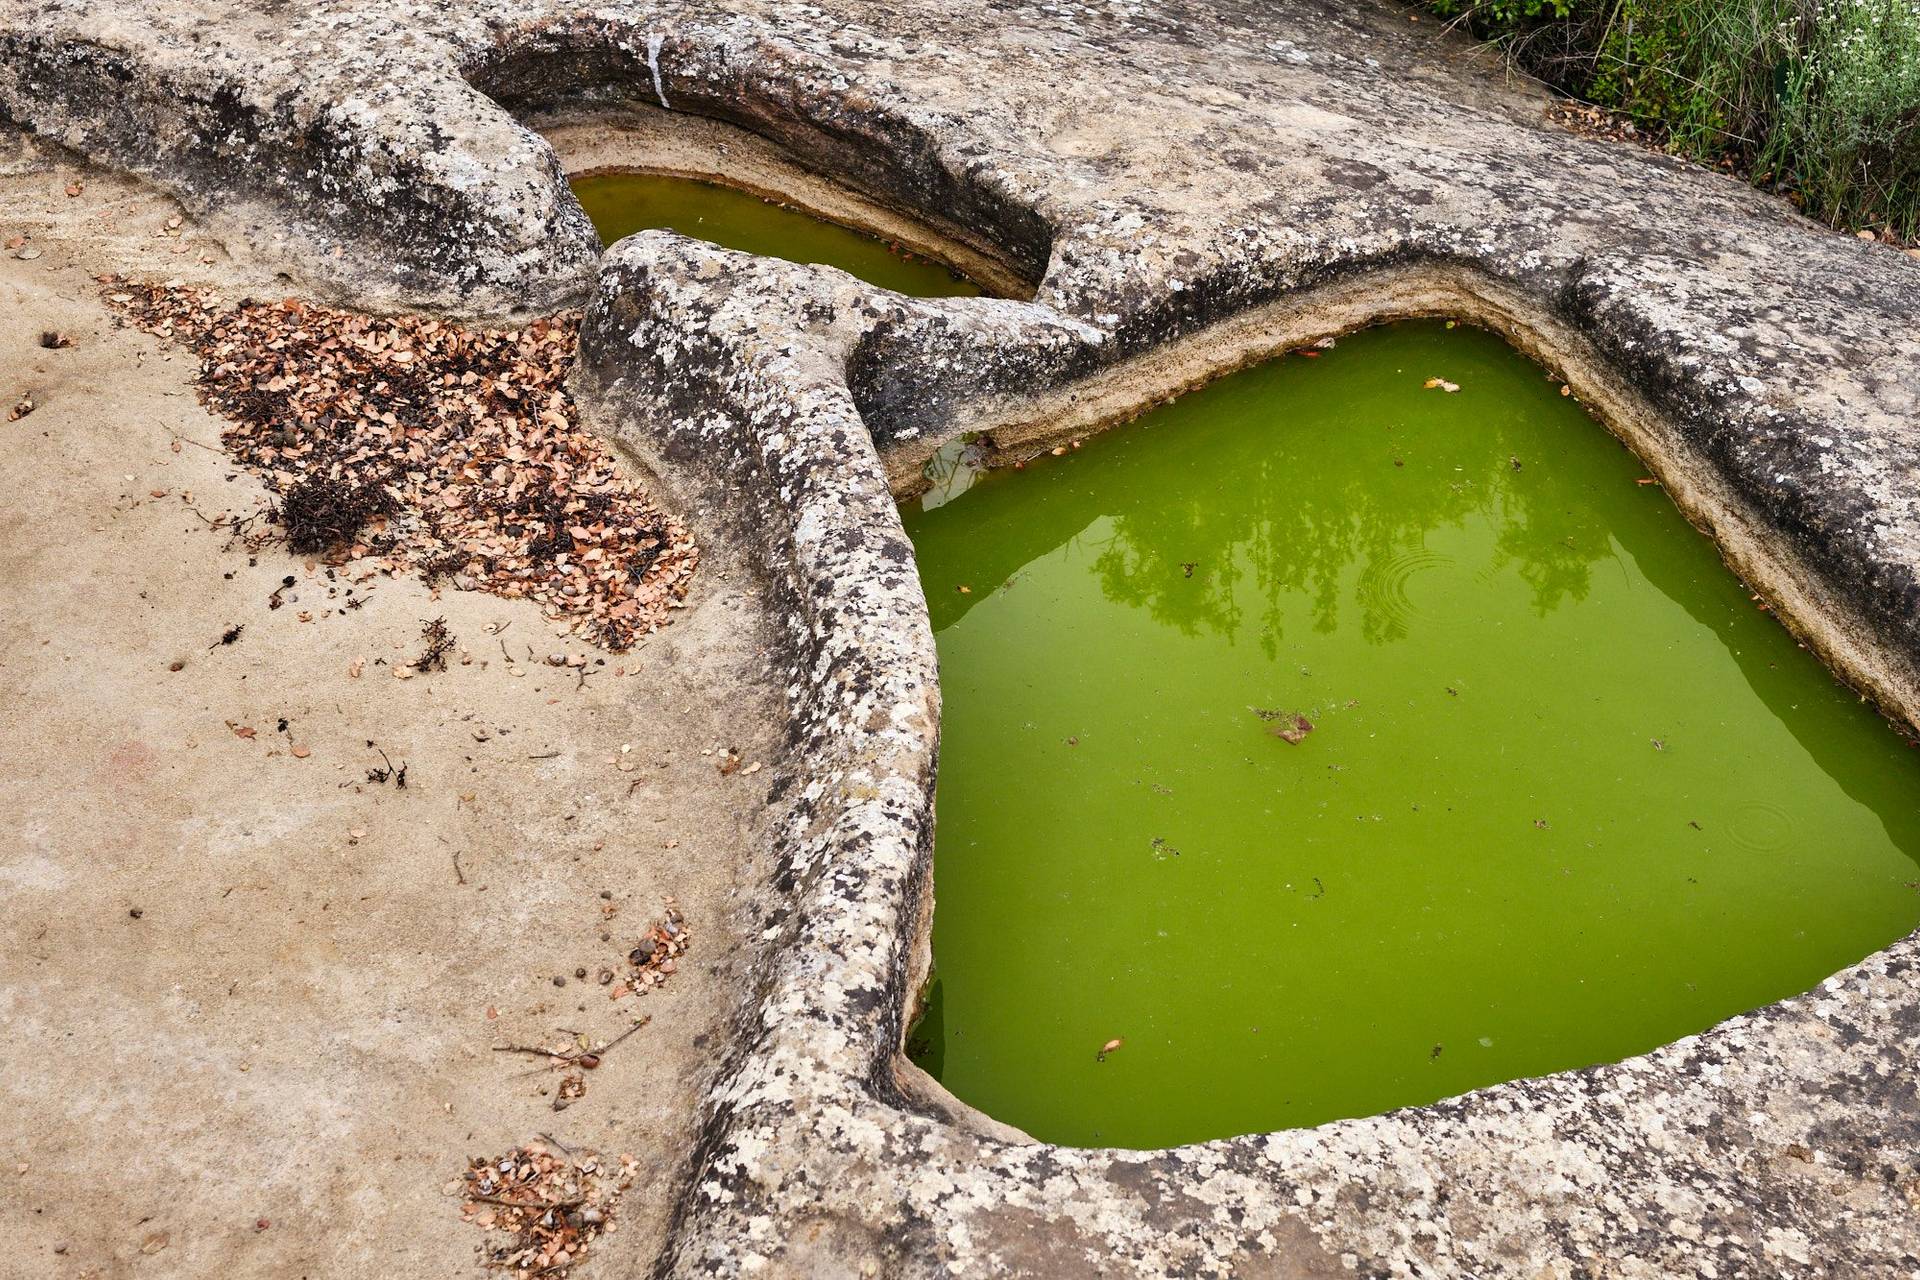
1819 97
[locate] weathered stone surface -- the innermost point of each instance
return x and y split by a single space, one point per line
1190 185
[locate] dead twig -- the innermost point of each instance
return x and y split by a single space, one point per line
389 774
189 440
560 1059
440 642
543 1206
602 1050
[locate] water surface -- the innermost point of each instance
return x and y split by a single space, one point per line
1568 793
622 203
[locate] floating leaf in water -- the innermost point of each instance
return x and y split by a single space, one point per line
1109 1047
1293 726
1293 729
1441 383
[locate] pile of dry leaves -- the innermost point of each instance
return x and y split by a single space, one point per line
449 451
547 1205
1590 121
657 955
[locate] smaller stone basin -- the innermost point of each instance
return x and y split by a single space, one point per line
622 203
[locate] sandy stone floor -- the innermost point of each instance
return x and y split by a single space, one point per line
250 999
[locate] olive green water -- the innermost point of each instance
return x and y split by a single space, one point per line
622 203
1568 792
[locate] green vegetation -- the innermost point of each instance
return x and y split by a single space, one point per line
1820 98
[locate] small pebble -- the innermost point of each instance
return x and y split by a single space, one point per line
580 972
559 981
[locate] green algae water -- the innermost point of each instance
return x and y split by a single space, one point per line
620 204
1567 793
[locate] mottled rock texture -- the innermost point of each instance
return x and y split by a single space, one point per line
1188 185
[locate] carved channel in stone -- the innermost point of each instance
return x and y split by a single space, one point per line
1361 730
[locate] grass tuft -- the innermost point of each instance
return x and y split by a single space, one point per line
1817 98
